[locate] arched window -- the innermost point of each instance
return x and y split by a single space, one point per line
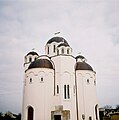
96 112
94 82
88 81
35 58
30 80
62 50
48 49
65 96
30 59
66 92
41 79
30 113
68 95
57 52
57 89
90 118
54 48
67 51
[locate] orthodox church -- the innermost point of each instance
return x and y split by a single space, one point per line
58 85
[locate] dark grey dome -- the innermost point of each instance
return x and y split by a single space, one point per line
80 56
83 66
57 39
32 53
41 63
63 44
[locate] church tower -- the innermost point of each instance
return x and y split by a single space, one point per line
58 86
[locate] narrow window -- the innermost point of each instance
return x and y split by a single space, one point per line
25 82
62 50
54 48
65 92
30 80
35 58
67 51
30 59
68 95
83 116
57 52
96 112
88 81
57 117
74 89
94 82
41 79
30 113
48 49
90 118
57 89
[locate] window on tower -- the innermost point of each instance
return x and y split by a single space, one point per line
30 81
48 50
67 51
57 52
94 82
57 89
62 50
88 81
41 80
90 118
68 95
96 112
35 58
30 113
30 59
66 92
54 48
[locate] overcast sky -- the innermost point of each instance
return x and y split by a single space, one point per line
89 26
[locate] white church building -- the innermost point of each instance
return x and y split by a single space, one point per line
58 86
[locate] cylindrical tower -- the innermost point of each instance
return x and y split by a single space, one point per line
38 90
30 57
86 90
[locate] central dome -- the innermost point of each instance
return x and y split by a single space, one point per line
57 39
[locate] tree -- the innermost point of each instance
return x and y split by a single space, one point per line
1 117
7 117
19 116
109 107
117 107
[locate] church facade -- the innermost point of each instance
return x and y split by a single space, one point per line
58 86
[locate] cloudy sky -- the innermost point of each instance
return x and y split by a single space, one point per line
90 27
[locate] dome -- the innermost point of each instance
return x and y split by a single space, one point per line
32 53
41 63
80 56
57 39
63 44
83 66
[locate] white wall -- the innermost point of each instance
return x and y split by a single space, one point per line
65 75
86 93
39 94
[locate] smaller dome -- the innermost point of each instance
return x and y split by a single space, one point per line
63 44
57 39
83 66
80 56
32 53
41 63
